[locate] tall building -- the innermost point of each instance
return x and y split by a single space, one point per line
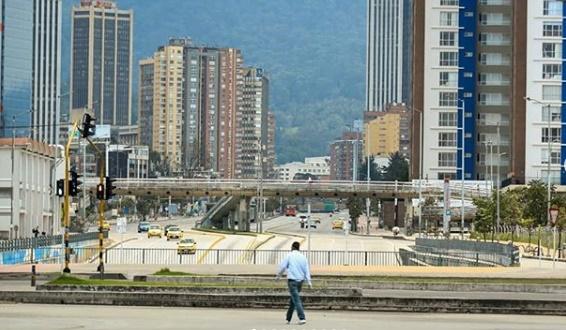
271 158
145 102
546 76
316 166
345 156
387 132
30 68
101 61
167 119
194 95
46 71
388 56
469 70
252 125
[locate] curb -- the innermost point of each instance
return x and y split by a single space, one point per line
315 302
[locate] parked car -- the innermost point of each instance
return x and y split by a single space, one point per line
143 227
187 245
154 230
174 232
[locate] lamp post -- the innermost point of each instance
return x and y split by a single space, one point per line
549 146
463 174
368 201
553 216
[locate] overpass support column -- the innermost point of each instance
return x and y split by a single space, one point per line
409 216
244 213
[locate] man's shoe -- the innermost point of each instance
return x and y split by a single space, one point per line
288 322
301 322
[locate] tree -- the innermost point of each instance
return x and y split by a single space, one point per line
375 173
511 209
157 165
355 207
485 211
397 169
144 205
534 199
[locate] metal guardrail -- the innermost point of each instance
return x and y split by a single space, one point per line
497 253
151 256
45 241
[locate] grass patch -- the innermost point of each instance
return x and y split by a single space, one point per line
168 272
69 280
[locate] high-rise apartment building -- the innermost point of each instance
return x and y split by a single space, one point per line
194 94
469 78
145 102
30 70
167 119
101 61
546 76
346 156
388 56
252 125
387 132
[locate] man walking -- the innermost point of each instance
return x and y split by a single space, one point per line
297 267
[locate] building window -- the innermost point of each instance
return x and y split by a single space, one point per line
447 119
552 93
447 159
448 79
492 99
447 139
551 50
448 18
449 176
494 39
554 114
449 2
554 135
554 156
494 19
552 71
494 59
552 8
448 59
447 38
552 29
492 79
448 99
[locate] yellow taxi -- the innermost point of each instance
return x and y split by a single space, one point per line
154 230
187 245
337 224
105 225
174 232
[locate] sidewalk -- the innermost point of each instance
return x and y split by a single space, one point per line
527 271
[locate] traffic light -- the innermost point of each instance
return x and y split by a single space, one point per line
60 190
74 183
89 126
109 187
100 192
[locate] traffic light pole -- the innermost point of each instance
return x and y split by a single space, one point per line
66 200
101 209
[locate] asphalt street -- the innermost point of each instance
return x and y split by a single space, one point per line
23 317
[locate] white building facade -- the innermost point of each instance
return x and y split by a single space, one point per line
545 86
388 53
318 166
27 197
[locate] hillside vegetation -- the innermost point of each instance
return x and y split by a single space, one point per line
313 51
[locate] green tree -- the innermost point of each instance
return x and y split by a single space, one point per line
375 173
534 199
397 169
145 205
355 207
511 210
157 165
485 212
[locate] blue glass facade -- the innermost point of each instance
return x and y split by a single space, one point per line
563 110
467 77
16 65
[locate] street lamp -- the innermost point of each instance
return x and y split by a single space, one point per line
548 106
462 174
553 216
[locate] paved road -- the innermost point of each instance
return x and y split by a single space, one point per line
23 317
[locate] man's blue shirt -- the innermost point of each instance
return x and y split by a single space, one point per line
297 267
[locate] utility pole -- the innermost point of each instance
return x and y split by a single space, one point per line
368 201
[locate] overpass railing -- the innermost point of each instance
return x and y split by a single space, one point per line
427 187
154 256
